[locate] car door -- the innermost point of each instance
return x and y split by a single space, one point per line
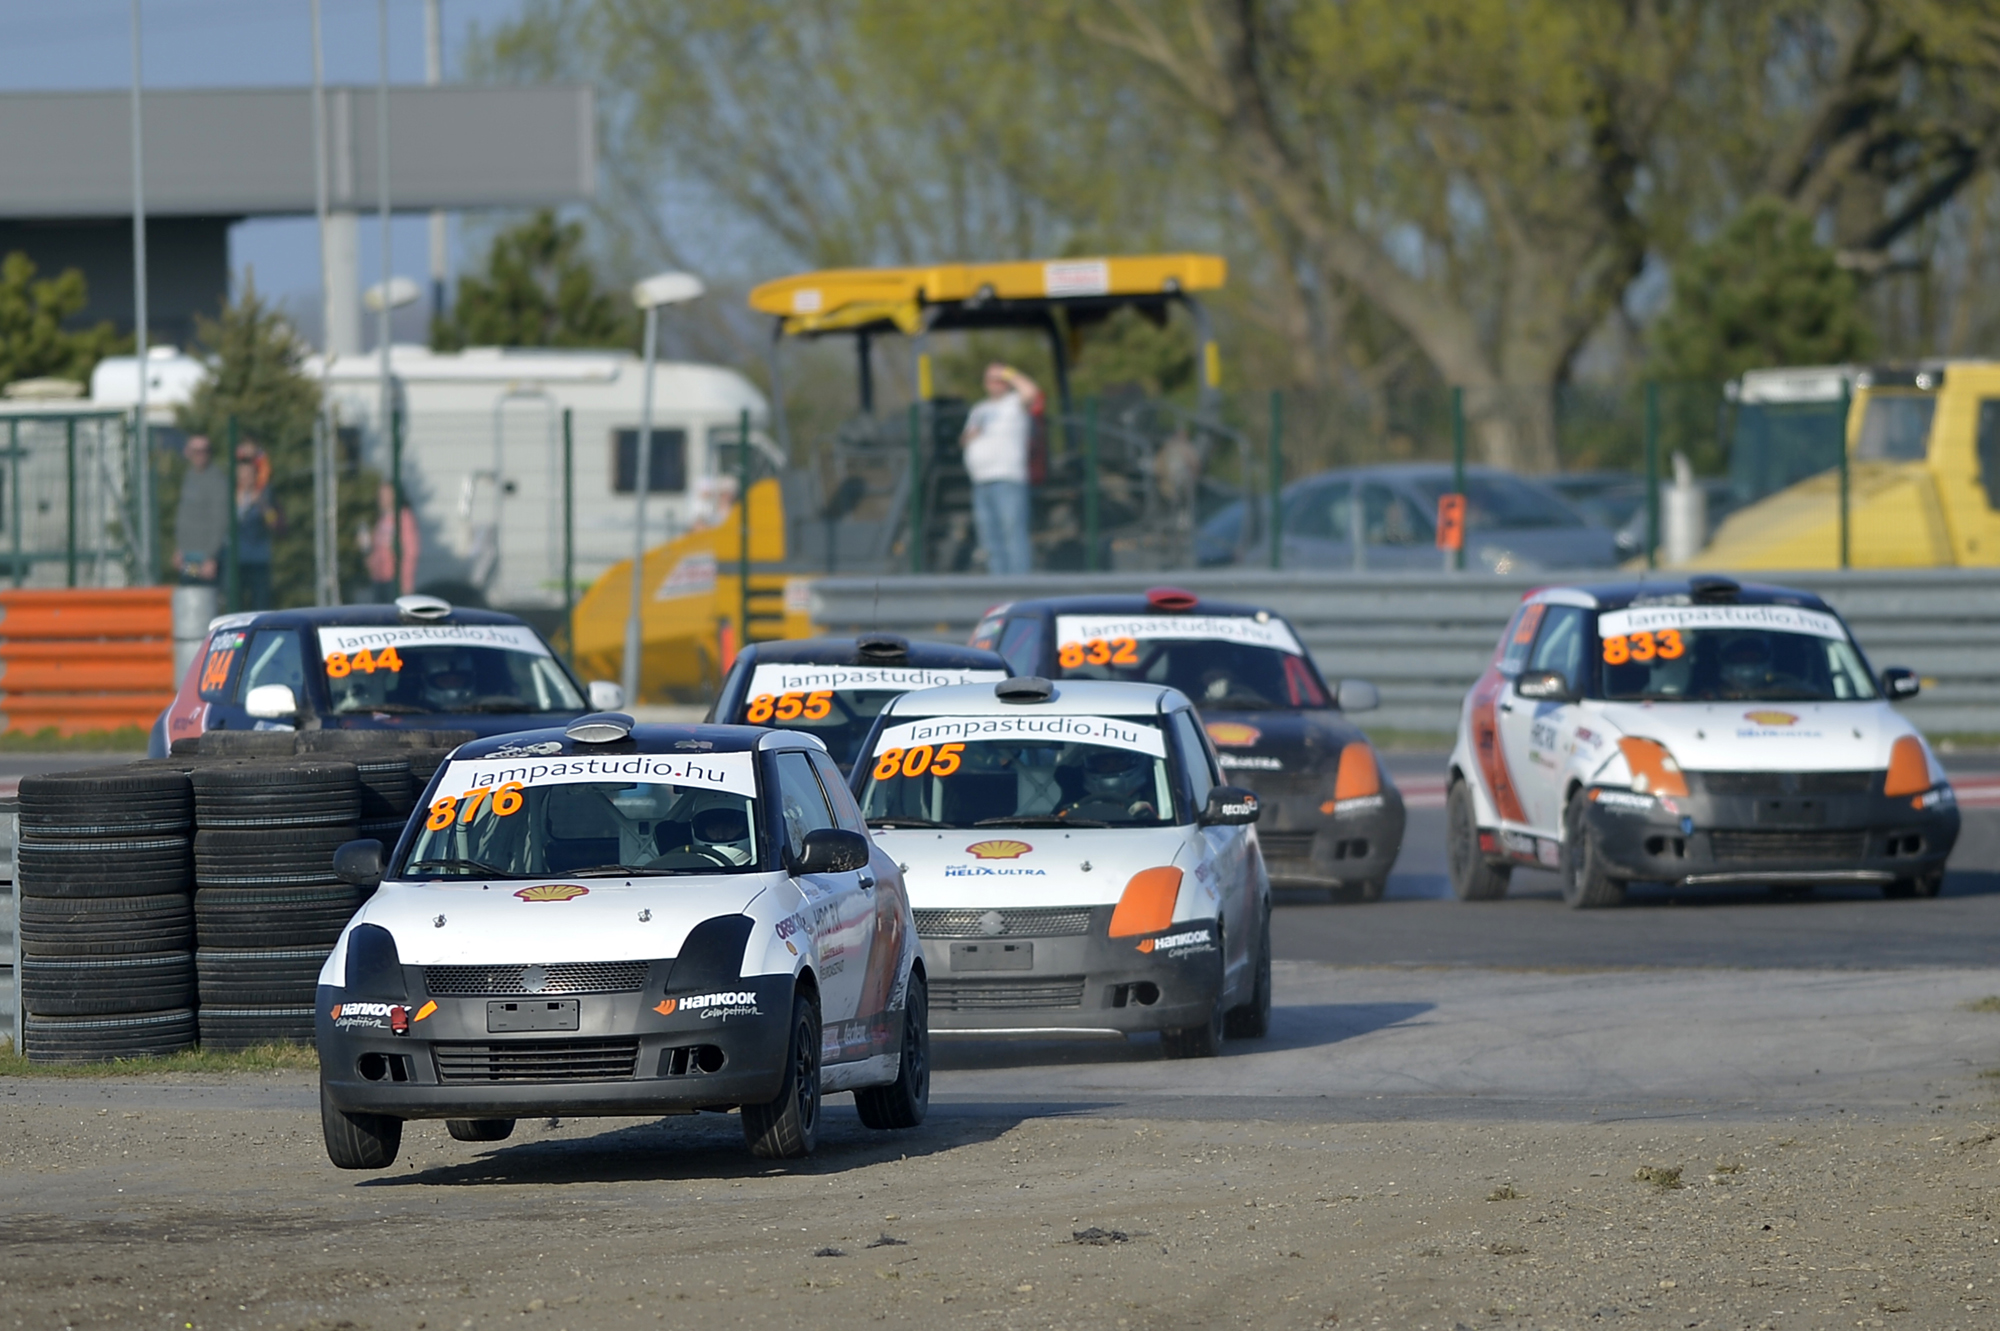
1537 735
890 934
840 910
1225 850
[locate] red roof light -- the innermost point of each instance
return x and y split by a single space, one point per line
1171 598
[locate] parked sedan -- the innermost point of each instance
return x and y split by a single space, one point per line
1383 518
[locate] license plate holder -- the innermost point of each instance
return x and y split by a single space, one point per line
532 1014
1791 812
993 956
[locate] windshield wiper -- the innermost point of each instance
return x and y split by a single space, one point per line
456 862
613 871
900 821
386 708
502 704
1038 820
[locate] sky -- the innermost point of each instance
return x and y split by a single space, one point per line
72 44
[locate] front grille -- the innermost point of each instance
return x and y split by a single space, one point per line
990 996
1779 846
537 1060
1286 845
1033 921
562 977
1790 783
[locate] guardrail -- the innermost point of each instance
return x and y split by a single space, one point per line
85 659
1423 638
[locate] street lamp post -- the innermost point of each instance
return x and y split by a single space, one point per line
649 295
383 298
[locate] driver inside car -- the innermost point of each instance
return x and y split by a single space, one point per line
1115 785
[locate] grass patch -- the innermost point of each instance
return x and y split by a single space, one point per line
261 1058
1407 741
1990 1003
125 739
1993 1073
1660 1176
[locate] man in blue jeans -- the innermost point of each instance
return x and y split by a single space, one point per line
996 457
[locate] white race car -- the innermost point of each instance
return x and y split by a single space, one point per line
1074 861
619 919
1697 732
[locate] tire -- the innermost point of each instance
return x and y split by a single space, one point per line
358 1141
1585 884
105 926
1196 1041
106 986
1368 892
285 977
1924 886
244 857
94 1039
124 867
1472 878
244 1027
120 803
299 793
904 1101
1252 1020
248 917
479 1129
788 1127
387 788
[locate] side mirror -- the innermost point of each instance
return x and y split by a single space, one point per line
830 850
359 862
1545 686
272 702
1229 806
606 696
1899 683
1357 695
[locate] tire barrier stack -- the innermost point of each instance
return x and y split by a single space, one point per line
106 924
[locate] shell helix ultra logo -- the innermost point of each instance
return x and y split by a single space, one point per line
553 892
1771 718
998 850
1233 734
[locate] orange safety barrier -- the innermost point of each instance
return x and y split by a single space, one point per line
85 659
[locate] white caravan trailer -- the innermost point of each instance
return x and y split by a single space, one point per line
483 462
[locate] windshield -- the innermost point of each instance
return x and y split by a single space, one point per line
534 818
1810 660
415 671
1020 771
1502 503
1245 665
812 698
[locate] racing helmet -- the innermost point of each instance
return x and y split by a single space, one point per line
1115 774
1746 660
449 682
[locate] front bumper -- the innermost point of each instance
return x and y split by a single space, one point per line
1356 843
1716 839
623 1056
1076 982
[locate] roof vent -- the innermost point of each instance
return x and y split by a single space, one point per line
1024 688
882 646
1171 598
600 728
426 608
1709 588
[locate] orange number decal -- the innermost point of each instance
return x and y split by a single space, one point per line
1642 647
1617 651
819 705
917 761
386 659
889 764
364 661
1098 652
508 799
789 706
443 814
336 666
216 672
947 760
1071 655
1669 642
1126 653
760 709
473 799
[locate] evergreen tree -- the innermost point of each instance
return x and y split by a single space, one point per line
33 341
539 289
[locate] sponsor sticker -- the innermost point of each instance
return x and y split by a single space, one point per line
1233 733
691 575
992 871
1111 732
1624 800
369 1016
719 1006
1775 618
1214 628
1249 762
1360 803
351 641
1076 277
732 772
998 850
1771 718
1548 852
553 892
780 678
1934 799
1185 943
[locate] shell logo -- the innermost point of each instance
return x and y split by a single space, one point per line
1233 734
1771 718
553 892
998 850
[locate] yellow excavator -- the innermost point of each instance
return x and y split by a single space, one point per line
1922 474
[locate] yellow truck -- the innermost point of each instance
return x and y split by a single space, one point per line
1922 475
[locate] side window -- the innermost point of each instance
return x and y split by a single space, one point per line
1560 646
1320 513
987 633
1989 450
273 658
223 650
1515 642
1391 519
1202 776
666 463
846 813
1021 645
801 802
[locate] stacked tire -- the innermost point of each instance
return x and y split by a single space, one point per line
106 924
267 907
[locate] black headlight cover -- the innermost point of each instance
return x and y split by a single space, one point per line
374 968
712 956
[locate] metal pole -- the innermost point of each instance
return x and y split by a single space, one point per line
69 447
434 75
147 569
1275 461
326 508
569 536
916 489
1846 409
396 495
387 400
232 582
1652 474
14 484
1454 560
1090 550
642 457
743 530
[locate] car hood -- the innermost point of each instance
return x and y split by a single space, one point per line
1029 866
1763 737
481 724
1272 744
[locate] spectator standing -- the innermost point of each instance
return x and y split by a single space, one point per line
995 443
379 544
257 521
201 519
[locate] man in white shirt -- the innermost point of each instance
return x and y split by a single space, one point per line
996 457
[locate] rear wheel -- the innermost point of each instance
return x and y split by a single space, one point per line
358 1141
1585 884
788 1127
1472 878
1252 1021
479 1129
904 1101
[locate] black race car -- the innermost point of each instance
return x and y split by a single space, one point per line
1332 817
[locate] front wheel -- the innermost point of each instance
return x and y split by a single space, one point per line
1585 884
1252 1021
479 1129
1203 1041
358 1141
788 1127
1472 878
904 1101
1925 885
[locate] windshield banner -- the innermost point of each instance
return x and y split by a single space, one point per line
884 679
733 772
1771 618
1109 731
1214 628
352 641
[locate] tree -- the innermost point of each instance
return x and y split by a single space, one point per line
256 377
1762 293
539 290
33 341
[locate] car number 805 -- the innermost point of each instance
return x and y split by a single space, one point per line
917 761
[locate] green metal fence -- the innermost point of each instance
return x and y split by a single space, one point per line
68 516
